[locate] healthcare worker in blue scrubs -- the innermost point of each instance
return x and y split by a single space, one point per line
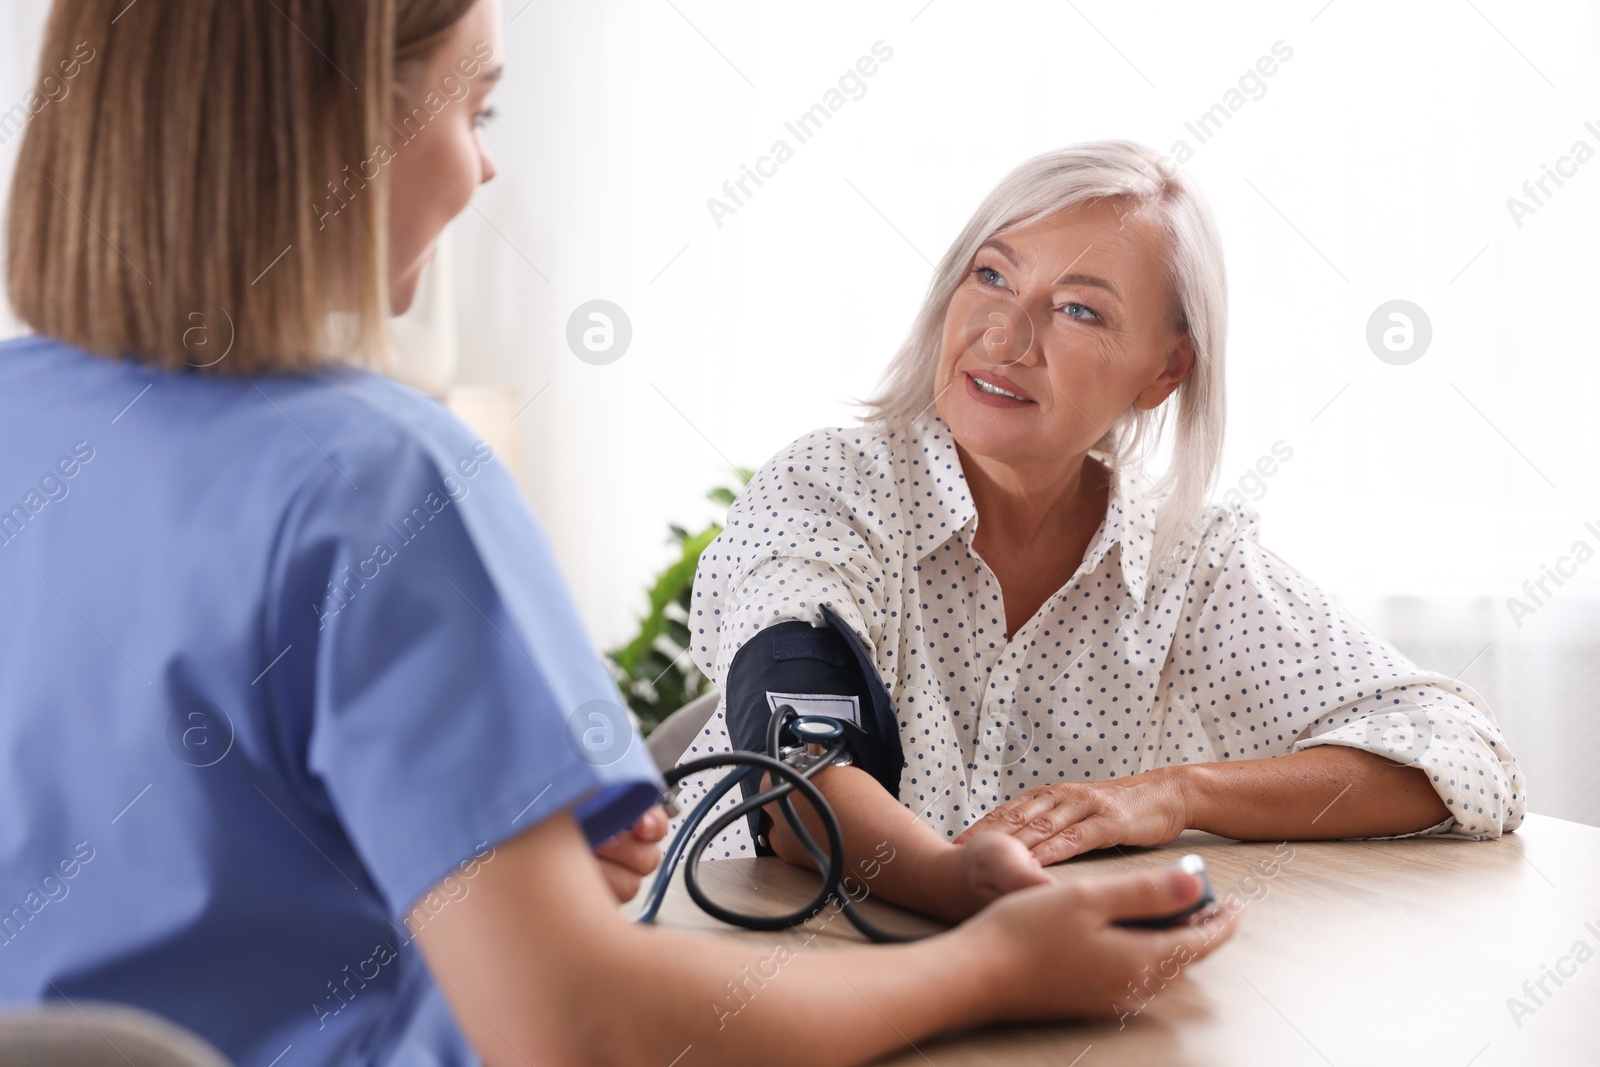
301 743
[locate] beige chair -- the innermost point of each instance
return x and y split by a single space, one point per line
91 1034
672 738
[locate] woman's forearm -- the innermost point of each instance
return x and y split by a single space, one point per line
890 851
1331 791
743 1003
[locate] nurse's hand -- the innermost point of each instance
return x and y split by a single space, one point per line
627 858
1059 821
1066 955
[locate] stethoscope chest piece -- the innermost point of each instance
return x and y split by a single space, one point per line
812 737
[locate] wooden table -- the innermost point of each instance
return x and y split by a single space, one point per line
1352 953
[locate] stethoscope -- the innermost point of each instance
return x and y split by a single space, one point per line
815 742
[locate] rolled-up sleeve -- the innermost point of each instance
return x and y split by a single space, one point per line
1270 664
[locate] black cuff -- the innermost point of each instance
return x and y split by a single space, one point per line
797 658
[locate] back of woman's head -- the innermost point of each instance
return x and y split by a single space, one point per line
180 175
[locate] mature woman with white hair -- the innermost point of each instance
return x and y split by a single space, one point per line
1020 633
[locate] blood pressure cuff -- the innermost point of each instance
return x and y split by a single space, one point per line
819 670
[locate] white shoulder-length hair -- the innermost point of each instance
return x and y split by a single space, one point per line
1040 187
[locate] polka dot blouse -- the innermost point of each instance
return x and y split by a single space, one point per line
1226 653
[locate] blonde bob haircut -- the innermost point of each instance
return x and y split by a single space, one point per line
1079 174
174 184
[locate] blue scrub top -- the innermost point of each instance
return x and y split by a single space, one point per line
277 655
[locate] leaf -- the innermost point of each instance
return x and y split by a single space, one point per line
651 670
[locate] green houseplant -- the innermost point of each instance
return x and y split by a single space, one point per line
654 670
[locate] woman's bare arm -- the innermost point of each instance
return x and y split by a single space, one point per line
1319 793
928 873
1325 792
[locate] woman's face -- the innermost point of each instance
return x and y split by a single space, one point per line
432 176
1072 316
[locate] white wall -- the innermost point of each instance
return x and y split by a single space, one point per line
1376 166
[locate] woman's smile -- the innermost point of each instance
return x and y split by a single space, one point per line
995 391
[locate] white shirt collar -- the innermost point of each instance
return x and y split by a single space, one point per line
1129 520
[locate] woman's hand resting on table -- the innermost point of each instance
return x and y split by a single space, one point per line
1057 822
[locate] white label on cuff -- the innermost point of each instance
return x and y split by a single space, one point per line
846 709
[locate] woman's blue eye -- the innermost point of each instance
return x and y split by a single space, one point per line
485 117
1089 313
989 276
